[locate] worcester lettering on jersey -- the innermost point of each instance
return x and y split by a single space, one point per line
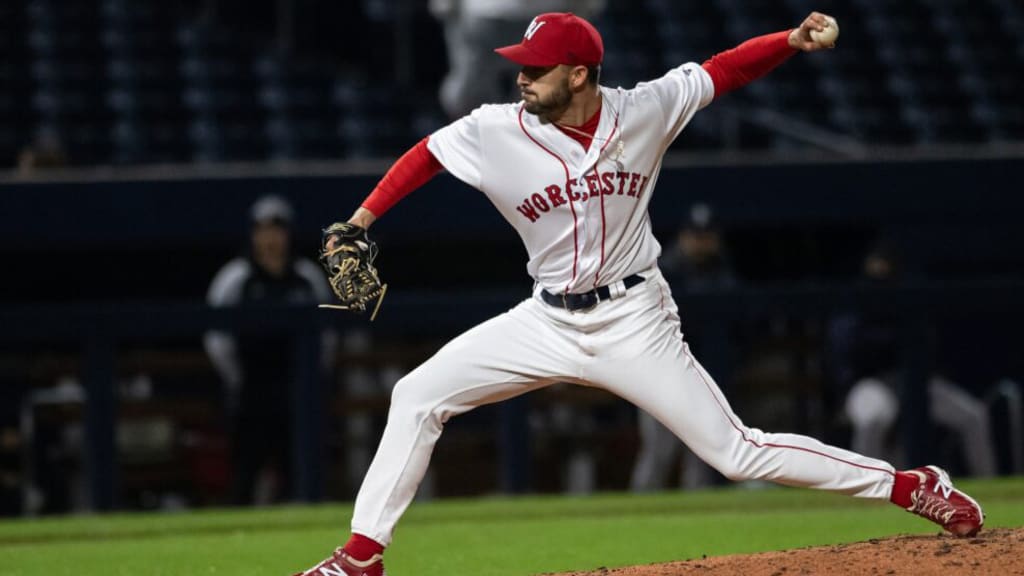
595 184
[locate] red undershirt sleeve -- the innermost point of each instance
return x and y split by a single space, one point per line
408 173
748 61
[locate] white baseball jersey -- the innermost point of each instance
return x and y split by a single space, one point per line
582 214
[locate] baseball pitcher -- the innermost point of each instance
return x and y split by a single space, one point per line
572 167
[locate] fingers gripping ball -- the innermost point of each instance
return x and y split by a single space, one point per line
347 254
828 36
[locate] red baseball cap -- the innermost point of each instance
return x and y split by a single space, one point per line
557 38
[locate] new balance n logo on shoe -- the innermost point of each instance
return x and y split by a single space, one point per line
946 489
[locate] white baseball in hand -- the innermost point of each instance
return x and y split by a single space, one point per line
827 37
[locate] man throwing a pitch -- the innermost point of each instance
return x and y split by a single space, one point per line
573 167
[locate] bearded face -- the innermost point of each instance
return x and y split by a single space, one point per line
556 98
545 89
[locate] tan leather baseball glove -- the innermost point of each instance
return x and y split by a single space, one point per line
347 254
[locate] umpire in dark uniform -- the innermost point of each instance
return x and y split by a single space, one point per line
257 368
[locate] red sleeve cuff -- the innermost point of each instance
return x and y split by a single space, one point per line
408 173
749 61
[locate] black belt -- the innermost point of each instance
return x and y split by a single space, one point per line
586 300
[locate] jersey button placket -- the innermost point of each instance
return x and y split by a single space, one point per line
590 247
582 221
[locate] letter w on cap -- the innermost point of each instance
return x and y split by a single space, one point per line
532 29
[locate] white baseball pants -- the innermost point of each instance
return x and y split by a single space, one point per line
631 346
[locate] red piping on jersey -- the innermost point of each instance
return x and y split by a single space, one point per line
575 242
604 231
611 135
743 434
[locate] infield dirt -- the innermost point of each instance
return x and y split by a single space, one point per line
995 552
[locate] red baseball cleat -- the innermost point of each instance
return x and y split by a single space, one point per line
937 500
341 564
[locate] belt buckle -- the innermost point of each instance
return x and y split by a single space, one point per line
596 300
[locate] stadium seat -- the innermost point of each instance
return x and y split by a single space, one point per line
148 81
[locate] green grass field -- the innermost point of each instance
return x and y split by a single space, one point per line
489 536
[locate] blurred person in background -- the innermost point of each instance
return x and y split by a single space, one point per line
472 28
868 351
696 263
699 260
257 368
45 152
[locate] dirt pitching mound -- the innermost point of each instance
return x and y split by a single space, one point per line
998 551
